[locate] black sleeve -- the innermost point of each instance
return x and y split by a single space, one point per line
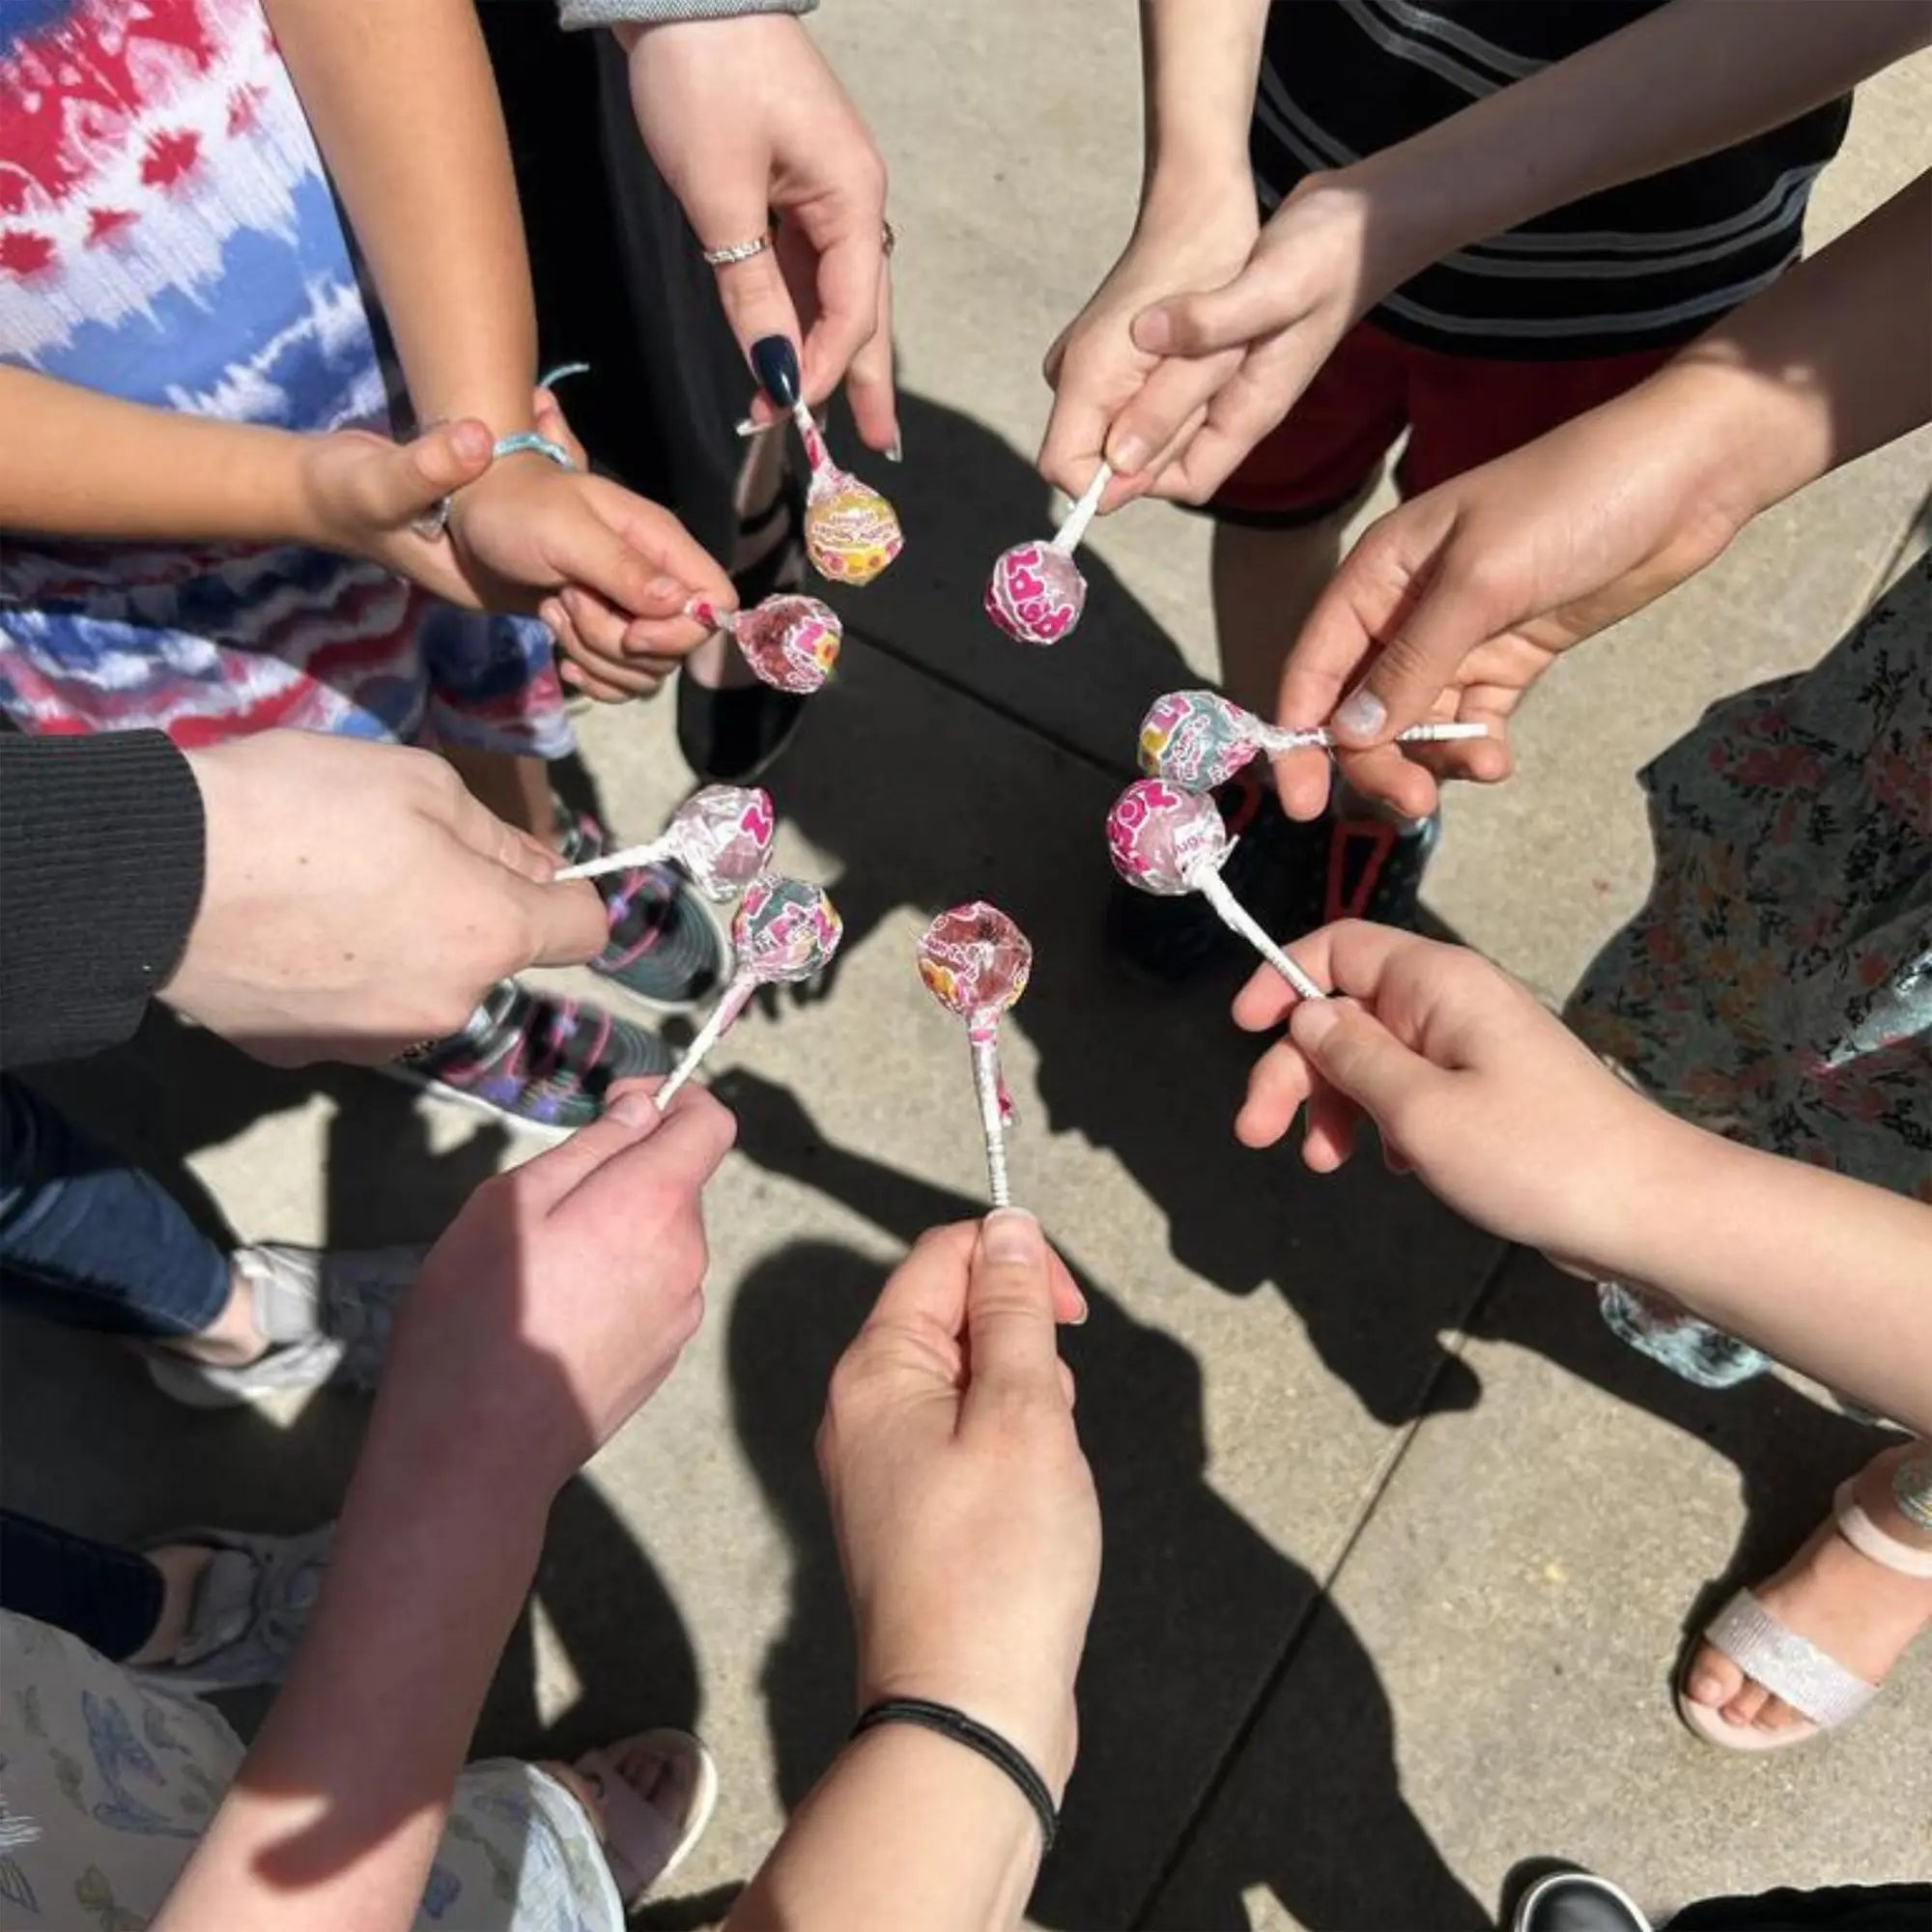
101 847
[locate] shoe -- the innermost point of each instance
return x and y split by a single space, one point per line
1578 1902
1175 940
665 947
251 1605
326 1316
530 1058
1352 864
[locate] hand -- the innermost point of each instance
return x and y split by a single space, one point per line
746 120
965 1511
1472 1084
1452 606
560 1300
1323 259
1116 399
356 900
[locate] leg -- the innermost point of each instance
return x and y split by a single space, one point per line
517 789
110 1598
1265 582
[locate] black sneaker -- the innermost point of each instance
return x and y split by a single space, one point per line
1578 1902
1350 864
663 946
1175 940
527 1056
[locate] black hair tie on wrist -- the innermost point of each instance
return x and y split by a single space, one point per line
955 1724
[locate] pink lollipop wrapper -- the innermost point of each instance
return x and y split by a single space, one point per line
851 532
790 641
1036 593
722 837
1163 840
1196 739
784 930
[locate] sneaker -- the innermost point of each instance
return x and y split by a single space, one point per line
251 1605
1352 864
1175 940
1576 1901
527 1056
326 1315
665 947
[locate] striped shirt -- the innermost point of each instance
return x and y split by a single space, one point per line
1643 266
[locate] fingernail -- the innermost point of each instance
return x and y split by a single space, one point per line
658 588
775 364
1153 332
1129 454
471 441
1079 1319
1312 1022
633 1107
1706 1689
1011 1236
1362 716
895 451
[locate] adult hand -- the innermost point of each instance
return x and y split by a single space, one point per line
560 1298
1452 606
1472 1084
965 1511
357 899
747 122
1113 397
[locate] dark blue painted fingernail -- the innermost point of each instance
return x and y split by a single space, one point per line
775 362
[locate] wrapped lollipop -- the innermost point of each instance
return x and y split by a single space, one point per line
851 532
1170 841
1200 739
1036 592
784 930
791 641
721 838
975 962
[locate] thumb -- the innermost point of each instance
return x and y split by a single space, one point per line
1009 1317
1230 317
415 476
1358 1055
1420 656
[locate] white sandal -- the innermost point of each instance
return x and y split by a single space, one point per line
1815 1684
643 1844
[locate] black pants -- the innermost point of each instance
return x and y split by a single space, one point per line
107 1596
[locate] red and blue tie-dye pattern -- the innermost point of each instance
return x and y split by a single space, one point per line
167 234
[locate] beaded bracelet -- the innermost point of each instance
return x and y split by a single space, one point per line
955 1724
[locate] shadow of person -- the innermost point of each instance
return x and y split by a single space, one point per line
1196 1619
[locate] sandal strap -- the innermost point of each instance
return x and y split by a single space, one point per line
1811 1681
1888 1552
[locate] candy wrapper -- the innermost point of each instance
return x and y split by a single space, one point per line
721 838
790 641
851 532
1036 592
784 930
1199 739
975 962
1169 841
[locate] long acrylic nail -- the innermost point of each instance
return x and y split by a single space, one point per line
775 364
751 426
896 449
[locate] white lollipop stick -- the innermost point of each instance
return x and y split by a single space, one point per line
1209 884
737 997
655 852
1067 536
992 1119
1286 738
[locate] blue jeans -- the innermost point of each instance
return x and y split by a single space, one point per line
90 1241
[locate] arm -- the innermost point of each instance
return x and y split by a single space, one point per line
553 1308
1455 603
1509 1118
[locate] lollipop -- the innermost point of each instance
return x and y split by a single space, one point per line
791 641
851 532
721 837
1199 739
784 930
975 960
1035 592
1170 841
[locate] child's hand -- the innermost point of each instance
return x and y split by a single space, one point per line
1107 390
1502 1111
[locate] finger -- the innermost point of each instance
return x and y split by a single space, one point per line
683 567
851 270
928 1288
1009 1319
592 686
477 827
1153 421
599 628
1329 1138
677 1157
1069 1305
1212 321
630 1116
1301 782
1389 776
417 476
1278 1083
661 645
757 305
564 924
1353 1051
553 423
870 387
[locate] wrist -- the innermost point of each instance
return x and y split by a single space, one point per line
1402 226
1187 185
1640 1194
1041 1725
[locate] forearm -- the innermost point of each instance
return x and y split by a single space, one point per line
334 1816
906 1829
77 463
404 107
1682 82
1200 59
1826 1275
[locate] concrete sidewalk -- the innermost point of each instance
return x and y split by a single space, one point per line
1401 1546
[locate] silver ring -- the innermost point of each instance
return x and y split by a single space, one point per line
738 251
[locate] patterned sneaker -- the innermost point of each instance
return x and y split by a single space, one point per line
1175 940
1352 864
527 1056
327 1318
663 946
251 1605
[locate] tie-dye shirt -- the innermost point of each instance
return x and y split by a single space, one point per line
167 234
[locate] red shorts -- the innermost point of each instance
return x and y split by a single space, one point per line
1459 411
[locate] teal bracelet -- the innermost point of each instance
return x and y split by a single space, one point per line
433 523
528 443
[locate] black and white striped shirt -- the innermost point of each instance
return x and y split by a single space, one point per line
1643 266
